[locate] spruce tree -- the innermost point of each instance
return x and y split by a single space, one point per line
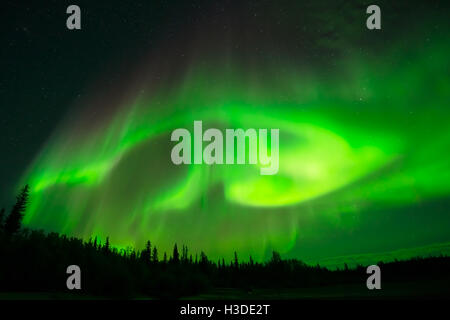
236 261
107 246
176 255
155 255
146 254
13 222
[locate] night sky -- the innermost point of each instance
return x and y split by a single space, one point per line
364 174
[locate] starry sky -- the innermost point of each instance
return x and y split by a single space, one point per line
363 117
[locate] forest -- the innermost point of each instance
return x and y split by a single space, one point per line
36 261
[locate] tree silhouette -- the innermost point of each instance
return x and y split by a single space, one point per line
276 258
184 254
14 220
147 252
236 261
155 255
203 259
176 255
106 246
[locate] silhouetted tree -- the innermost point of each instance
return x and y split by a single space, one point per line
14 220
176 255
106 246
236 261
147 252
155 255
184 254
203 259
276 258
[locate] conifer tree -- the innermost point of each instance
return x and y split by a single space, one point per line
155 255
106 247
236 261
13 222
276 258
147 252
176 254
203 258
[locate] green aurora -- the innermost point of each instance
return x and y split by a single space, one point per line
364 157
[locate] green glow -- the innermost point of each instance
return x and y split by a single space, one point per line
373 136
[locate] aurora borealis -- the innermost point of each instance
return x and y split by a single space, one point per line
364 126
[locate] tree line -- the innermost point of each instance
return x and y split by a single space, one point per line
35 261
